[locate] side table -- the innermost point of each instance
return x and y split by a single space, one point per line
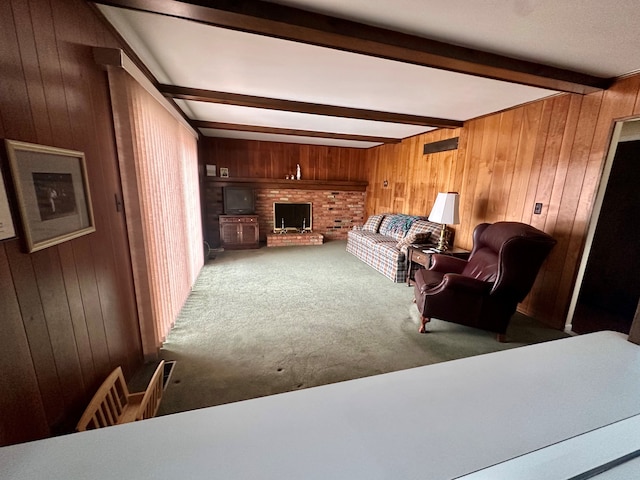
417 256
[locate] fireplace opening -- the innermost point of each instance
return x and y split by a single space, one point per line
294 217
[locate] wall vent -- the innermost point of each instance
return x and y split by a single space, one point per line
441 146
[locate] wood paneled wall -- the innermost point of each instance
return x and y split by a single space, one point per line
67 313
551 151
413 179
253 159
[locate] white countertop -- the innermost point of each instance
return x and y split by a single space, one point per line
437 422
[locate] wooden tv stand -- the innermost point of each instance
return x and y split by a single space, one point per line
239 231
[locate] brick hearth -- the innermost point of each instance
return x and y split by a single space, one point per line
289 239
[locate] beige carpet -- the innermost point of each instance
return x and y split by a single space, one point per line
271 320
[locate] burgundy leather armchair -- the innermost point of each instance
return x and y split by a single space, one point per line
483 291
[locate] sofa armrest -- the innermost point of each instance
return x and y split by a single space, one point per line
447 264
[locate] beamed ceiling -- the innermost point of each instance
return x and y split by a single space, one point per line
362 73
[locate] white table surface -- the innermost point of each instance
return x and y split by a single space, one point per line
436 422
584 454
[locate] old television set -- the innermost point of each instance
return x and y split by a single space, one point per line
239 200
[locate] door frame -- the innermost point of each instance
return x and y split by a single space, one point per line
616 137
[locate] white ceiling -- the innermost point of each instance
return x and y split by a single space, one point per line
589 36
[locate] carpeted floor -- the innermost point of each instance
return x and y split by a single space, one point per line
271 320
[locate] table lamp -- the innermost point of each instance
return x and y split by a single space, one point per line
445 211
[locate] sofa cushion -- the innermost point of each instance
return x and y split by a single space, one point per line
369 239
373 223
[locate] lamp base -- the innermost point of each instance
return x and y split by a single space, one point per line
443 241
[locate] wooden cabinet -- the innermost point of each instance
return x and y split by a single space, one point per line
239 231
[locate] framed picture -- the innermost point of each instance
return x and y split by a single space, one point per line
52 193
224 172
7 229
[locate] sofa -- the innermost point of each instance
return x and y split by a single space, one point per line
382 242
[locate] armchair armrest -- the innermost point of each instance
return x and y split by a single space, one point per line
447 264
466 284
455 281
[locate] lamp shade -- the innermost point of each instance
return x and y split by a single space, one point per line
445 209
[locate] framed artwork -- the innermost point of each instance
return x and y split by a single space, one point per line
7 229
52 193
224 172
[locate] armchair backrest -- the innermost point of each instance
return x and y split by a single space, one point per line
509 254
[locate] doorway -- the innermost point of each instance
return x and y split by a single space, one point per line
608 286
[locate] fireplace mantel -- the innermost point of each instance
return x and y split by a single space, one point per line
337 185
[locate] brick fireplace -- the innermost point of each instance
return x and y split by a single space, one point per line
334 212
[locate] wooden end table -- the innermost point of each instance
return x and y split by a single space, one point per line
416 255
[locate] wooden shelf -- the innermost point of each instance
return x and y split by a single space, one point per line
354 186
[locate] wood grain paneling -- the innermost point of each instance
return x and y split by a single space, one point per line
413 179
24 417
68 312
275 160
551 151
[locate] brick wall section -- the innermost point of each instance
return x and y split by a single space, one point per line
333 213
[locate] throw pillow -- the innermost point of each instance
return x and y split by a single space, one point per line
373 223
411 238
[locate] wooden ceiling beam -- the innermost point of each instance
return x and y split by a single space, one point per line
200 95
290 131
279 21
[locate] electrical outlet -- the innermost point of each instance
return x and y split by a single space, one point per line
537 209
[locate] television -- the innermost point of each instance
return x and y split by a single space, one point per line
239 201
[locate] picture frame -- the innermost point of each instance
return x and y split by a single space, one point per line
224 172
7 228
52 193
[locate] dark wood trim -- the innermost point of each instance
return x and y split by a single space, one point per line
634 332
201 95
279 21
289 131
333 185
110 53
117 57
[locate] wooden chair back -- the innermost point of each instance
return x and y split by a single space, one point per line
153 395
107 405
112 404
